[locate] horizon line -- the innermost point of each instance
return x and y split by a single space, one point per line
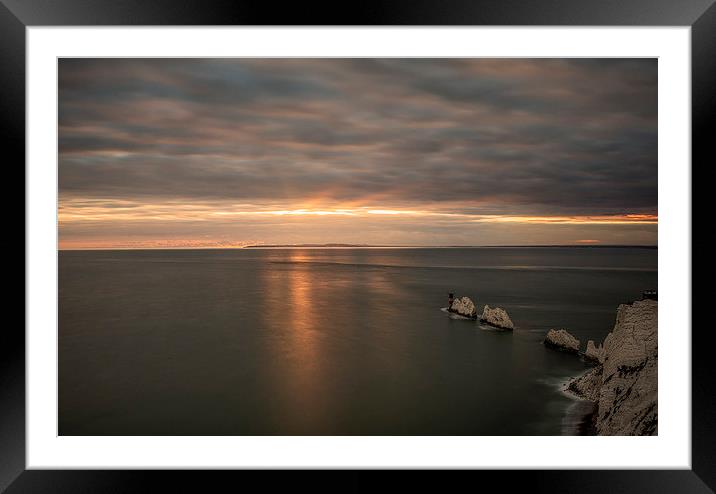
366 246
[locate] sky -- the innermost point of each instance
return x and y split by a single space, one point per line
182 153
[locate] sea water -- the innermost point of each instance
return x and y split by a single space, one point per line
318 341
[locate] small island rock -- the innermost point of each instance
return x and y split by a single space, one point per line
560 339
497 317
463 306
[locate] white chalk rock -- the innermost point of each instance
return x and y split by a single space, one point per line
562 340
464 307
628 402
594 352
624 386
588 385
495 316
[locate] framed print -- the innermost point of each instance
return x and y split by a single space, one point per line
419 237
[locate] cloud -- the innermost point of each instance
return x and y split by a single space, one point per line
472 136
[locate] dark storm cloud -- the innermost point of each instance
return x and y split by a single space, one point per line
544 136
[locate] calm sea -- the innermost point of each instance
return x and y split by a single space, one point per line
329 341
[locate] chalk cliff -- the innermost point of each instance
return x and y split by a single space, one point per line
624 385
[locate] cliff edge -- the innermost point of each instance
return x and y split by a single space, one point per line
624 384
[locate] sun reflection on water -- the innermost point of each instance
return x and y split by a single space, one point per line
291 307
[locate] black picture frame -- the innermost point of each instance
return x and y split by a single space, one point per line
700 15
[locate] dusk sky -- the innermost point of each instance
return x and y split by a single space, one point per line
231 152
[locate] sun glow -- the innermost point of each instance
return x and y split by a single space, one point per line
309 212
127 224
122 211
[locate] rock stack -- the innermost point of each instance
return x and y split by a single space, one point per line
594 353
560 339
496 317
463 306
